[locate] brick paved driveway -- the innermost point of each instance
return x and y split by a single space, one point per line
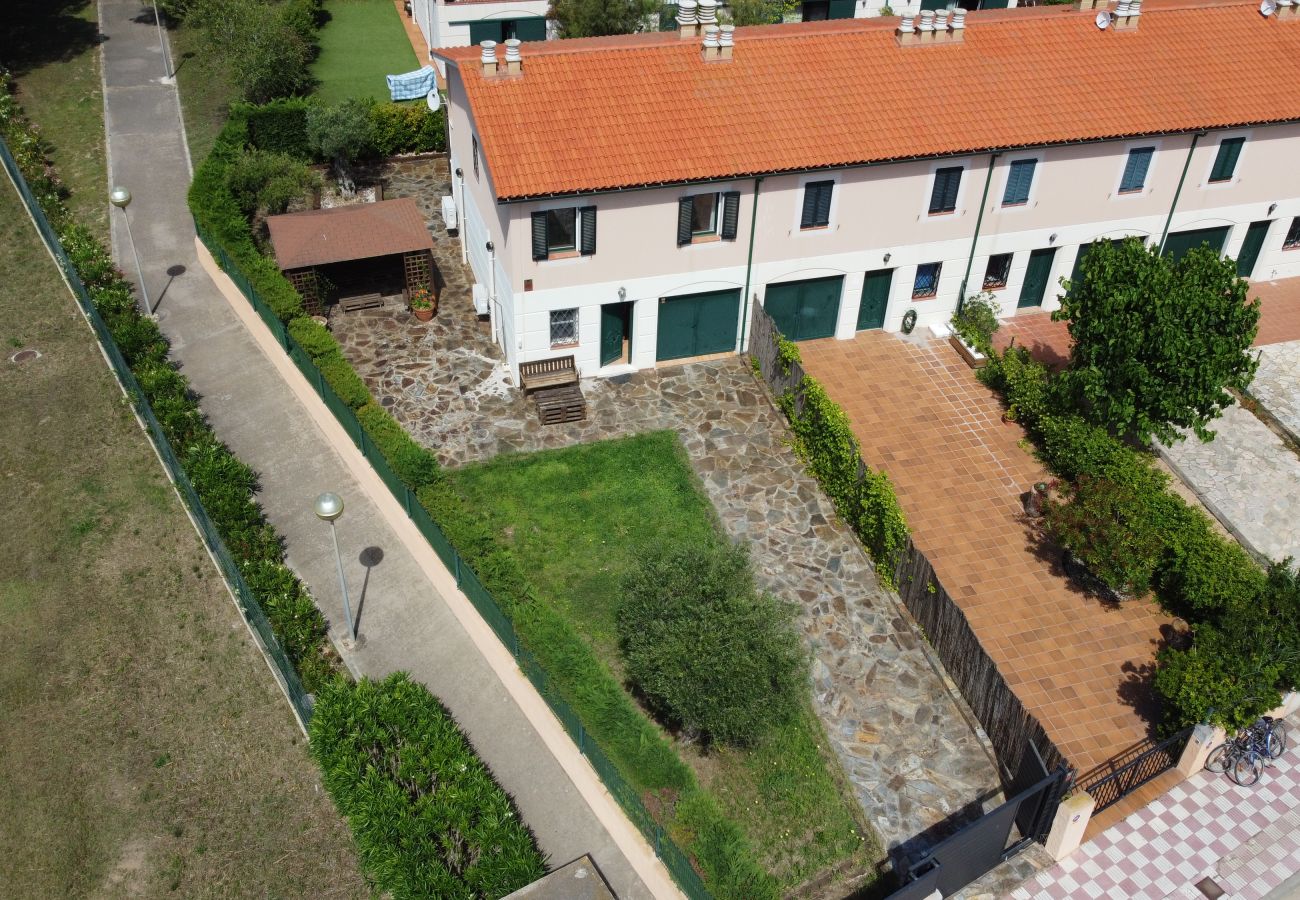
1081 667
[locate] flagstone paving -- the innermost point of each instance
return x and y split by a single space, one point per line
899 730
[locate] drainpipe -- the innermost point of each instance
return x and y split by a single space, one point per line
749 266
460 210
492 290
979 220
1181 178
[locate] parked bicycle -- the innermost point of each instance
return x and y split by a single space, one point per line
1244 756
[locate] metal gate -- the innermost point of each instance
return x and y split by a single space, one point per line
980 846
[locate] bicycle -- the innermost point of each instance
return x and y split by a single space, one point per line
1243 757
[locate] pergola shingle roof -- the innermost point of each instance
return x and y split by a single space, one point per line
344 233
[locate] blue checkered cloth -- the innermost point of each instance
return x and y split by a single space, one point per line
412 84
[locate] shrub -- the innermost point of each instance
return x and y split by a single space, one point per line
977 321
707 650
314 338
342 134
1224 676
408 128
344 380
412 463
1105 526
428 818
279 126
1206 575
262 45
1024 383
262 181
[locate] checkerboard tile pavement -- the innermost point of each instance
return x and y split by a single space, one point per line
1246 839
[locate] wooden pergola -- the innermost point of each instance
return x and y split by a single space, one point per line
306 241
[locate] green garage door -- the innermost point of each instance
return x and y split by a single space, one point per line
697 324
1178 244
805 309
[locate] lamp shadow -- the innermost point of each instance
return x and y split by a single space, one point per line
369 557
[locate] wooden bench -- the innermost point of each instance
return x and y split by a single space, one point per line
561 404
360 301
548 373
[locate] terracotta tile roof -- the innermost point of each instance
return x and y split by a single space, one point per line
342 233
605 113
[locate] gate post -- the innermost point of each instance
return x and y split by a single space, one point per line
1204 739
1069 824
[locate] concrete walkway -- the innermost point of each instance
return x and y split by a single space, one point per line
411 615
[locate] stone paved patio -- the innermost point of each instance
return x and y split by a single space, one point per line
899 730
1277 383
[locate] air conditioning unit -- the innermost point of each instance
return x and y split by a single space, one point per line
449 217
480 300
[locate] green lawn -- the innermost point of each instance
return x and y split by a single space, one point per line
576 518
53 52
361 43
145 749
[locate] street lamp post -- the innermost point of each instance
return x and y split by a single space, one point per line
329 507
162 43
121 198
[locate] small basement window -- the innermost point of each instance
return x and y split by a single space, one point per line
564 327
1292 239
927 280
995 274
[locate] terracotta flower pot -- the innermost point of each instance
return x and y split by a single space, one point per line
423 315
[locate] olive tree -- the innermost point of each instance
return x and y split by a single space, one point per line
1158 343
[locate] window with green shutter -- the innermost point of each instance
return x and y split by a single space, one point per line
532 28
943 197
1225 164
1135 169
817 204
842 9
1020 178
561 232
668 17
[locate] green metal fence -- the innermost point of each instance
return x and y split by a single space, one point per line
676 861
249 608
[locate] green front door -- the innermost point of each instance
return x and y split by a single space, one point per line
1180 243
805 309
613 329
697 324
1250 247
875 299
1036 277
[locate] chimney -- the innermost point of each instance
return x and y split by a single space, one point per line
1126 14
489 58
1091 4
514 62
710 47
688 23
927 26
708 13
958 24
906 32
941 32
726 40
1288 10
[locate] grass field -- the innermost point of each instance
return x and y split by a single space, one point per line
144 748
577 519
361 43
205 89
59 86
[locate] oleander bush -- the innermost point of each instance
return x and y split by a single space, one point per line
428 818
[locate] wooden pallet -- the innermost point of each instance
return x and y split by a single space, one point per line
360 301
560 404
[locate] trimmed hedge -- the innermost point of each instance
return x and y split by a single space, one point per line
473 815
1199 575
637 748
428 818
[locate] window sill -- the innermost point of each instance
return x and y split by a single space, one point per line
937 214
805 228
1001 286
1295 246
705 239
566 346
561 254
929 296
1021 205
1134 192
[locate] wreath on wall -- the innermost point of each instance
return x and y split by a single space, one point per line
909 321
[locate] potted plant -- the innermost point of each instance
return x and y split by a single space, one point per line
1112 544
973 326
423 304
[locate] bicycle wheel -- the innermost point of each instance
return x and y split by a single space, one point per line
1276 741
1219 758
1247 768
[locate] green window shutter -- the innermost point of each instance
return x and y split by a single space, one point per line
842 9
824 202
1225 164
668 17
539 236
809 206
588 245
485 31
934 4
730 214
943 197
684 220
1019 179
993 4
1135 170
532 28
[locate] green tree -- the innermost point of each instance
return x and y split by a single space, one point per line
759 12
265 47
594 18
707 650
342 133
1157 343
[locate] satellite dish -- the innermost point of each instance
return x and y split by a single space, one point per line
1103 18
433 100
1267 8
